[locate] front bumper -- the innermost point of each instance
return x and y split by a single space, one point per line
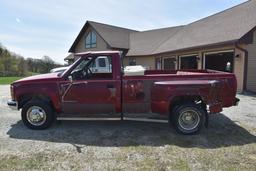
13 104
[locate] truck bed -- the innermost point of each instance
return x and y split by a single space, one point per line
140 92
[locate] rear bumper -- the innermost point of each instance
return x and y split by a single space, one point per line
217 107
13 104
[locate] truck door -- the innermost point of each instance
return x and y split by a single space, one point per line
92 93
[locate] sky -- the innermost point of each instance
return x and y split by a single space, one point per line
34 28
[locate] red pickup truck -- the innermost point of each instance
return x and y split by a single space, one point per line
183 98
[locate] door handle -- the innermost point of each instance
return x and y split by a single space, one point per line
77 83
110 86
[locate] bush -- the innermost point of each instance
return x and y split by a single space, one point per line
12 64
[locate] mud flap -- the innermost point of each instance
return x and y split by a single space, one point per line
206 123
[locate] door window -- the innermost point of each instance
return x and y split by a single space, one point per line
102 62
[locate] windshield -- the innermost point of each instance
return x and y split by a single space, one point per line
63 73
80 66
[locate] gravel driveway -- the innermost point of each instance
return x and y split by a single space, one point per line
228 143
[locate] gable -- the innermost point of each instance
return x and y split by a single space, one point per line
114 37
101 45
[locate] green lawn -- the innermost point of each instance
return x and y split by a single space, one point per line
8 80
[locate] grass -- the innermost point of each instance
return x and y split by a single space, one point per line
14 162
169 157
8 80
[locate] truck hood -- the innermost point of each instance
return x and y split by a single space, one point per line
41 77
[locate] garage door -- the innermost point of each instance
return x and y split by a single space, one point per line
221 61
169 63
188 62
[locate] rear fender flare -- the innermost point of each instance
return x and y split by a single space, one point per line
178 99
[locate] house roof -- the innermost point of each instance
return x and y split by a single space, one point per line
227 26
147 42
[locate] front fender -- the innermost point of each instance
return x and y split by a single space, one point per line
49 89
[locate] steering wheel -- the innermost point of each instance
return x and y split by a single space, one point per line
90 71
87 72
77 75
82 74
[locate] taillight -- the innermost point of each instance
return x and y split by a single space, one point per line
12 92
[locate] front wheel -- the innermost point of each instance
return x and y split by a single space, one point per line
188 118
37 115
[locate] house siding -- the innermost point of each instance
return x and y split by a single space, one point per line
147 61
239 64
251 69
101 44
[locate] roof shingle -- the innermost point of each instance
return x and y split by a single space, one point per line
146 42
229 25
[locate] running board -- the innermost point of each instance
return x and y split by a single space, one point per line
87 119
111 119
146 120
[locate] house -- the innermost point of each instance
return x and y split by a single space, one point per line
225 41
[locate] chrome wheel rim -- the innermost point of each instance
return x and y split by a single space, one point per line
189 120
36 116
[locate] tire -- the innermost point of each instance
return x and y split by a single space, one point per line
37 115
188 119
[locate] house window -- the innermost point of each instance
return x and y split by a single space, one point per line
132 61
90 40
169 63
158 63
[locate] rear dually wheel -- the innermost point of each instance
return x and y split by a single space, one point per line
188 118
